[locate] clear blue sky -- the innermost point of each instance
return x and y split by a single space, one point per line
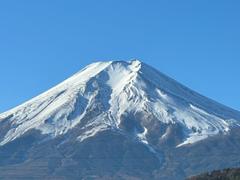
195 42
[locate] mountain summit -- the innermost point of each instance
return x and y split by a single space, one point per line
124 101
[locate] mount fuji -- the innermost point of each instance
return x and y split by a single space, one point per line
118 120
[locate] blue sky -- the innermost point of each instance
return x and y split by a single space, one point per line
44 42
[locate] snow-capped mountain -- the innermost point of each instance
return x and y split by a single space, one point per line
117 88
131 99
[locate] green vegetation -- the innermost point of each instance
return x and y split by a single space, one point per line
227 174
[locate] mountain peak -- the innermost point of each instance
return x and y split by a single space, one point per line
136 61
100 96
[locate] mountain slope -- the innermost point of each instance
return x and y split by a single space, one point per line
130 101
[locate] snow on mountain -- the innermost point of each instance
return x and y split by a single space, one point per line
113 89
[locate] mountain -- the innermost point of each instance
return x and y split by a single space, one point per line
118 120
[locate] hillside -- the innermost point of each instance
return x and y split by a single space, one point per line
226 174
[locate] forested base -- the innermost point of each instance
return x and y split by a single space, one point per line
227 174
